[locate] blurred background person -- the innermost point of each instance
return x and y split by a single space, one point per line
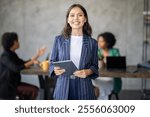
10 68
107 85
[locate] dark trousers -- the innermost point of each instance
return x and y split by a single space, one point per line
27 91
73 94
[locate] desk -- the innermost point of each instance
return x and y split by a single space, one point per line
44 79
34 71
43 76
141 73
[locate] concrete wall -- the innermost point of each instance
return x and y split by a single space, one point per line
38 21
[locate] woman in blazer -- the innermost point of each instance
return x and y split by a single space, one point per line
75 43
106 41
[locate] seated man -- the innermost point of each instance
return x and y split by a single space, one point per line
10 67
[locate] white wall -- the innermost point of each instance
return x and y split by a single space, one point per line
38 21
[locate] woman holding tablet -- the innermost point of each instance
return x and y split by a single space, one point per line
75 44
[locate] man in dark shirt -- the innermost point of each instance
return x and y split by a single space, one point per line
11 65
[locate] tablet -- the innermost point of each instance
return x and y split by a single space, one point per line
68 65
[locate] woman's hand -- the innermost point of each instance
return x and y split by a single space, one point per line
37 62
41 51
58 71
83 73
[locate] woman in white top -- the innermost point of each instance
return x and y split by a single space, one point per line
75 43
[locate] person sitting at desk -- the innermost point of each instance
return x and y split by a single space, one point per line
106 41
10 67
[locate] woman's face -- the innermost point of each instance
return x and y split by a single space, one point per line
102 43
16 44
76 18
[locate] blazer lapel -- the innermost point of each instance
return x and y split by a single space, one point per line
84 52
66 49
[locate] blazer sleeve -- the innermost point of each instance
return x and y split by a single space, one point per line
53 58
94 63
11 65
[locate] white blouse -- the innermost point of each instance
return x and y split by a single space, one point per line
75 49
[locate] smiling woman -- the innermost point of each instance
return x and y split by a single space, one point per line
76 17
75 44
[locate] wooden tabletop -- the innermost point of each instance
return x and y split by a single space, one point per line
103 72
140 73
34 71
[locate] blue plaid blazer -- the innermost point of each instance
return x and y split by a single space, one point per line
88 60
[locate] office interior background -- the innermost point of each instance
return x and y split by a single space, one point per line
37 22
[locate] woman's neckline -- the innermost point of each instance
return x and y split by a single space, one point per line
73 36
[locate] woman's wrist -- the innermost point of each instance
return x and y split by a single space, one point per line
29 63
32 62
35 57
89 72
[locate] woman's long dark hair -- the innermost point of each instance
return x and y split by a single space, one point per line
87 30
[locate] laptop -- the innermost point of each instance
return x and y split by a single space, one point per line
116 63
119 63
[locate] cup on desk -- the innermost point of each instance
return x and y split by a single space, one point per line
44 65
